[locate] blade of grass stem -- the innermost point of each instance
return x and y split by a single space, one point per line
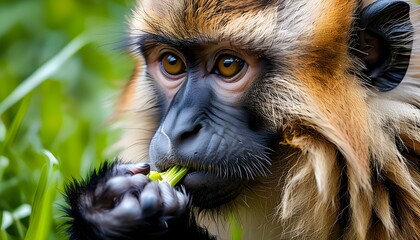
43 72
235 227
179 175
41 217
17 122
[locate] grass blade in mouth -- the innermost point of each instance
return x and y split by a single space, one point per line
173 175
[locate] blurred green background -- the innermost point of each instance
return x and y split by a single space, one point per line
53 124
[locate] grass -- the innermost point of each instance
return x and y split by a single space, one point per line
171 176
62 65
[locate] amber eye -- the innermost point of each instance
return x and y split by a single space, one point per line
228 66
172 64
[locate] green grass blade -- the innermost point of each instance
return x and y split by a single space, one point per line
41 217
3 234
155 176
178 176
2 131
171 176
17 122
43 72
4 163
235 227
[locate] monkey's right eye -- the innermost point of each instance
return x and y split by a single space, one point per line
228 65
172 64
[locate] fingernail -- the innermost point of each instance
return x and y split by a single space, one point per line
144 165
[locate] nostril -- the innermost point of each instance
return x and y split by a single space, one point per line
190 134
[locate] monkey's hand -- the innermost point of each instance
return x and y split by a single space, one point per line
120 202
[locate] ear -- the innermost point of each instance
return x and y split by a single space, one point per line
385 42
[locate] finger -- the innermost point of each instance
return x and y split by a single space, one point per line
128 209
140 168
139 181
114 188
169 198
132 168
150 200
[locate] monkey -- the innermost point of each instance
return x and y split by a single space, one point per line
299 118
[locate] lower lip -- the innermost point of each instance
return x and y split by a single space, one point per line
209 191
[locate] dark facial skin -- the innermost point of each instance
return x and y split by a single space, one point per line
205 126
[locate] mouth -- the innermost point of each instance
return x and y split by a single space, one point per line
210 191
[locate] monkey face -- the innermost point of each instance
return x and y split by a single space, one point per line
205 125
223 89
199 85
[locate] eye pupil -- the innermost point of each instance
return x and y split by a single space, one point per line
228 62
172 60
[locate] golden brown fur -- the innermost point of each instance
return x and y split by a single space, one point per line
349 164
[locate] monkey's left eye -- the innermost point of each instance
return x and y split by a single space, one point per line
228 65
172 64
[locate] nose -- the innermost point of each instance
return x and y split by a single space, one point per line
185 131
181 135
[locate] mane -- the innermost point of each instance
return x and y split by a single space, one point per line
331 191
